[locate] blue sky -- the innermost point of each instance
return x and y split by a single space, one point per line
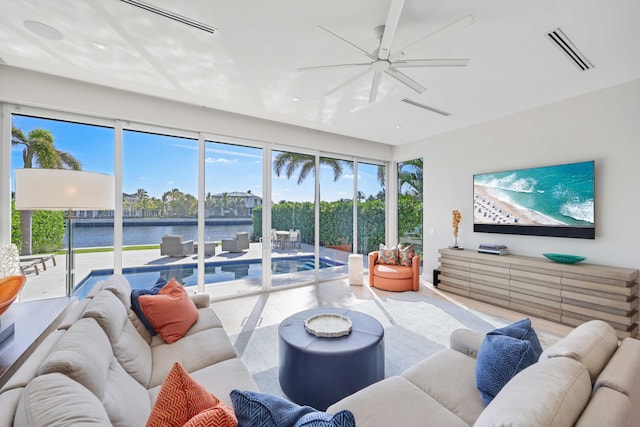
161 163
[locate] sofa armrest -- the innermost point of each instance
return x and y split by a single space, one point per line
201 300
466 342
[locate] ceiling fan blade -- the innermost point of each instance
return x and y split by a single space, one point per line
390 27
322 67
406 80
431 63
374 86
455 26
341 85
349 43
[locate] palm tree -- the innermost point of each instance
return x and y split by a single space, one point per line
39 151
287 163
142 200
410 176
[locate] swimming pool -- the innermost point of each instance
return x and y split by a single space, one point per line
144 277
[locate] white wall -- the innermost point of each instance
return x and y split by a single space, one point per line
47 91
603 126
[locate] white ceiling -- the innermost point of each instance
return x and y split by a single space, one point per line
250 65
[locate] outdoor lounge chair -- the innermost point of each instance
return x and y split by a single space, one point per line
239 243
173 246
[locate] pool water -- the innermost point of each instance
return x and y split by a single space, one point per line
215 272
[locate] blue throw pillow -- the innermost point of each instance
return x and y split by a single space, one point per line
263 410
522 330
135 303
503 353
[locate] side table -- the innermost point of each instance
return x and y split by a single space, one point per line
356 269
33 321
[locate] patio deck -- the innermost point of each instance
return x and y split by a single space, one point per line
50 283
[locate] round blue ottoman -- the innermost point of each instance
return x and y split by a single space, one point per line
318 371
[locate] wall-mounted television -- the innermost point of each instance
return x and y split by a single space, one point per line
553 201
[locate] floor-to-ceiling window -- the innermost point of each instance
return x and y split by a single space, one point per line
39 142
292 233
410 203
233 206
160 197
371 208
314 200
336 215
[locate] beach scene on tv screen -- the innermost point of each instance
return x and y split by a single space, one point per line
559 195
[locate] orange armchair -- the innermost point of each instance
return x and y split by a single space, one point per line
396 278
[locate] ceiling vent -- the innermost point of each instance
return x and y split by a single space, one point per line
171 15
569 49
426 107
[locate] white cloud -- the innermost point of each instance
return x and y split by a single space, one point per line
220 160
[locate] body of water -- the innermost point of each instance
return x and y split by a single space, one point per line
89 237
215 272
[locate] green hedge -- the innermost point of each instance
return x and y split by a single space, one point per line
47 230
336 222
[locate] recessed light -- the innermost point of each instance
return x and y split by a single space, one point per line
43 30
100 46
296 99
398 126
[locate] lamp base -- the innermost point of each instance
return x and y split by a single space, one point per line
6 331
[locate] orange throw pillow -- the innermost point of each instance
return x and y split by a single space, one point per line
182 400
171 312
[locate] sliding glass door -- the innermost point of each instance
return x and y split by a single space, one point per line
233 219
336 216
292 233
159 182
410 203
41 236
371 198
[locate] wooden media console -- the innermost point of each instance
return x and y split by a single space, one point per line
565 293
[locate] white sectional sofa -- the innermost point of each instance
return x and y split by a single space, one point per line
102 366
587 379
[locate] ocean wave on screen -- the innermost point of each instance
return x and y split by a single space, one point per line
513 183
579 210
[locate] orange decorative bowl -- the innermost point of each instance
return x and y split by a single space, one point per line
9 289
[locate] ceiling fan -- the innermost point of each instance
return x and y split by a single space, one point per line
382 60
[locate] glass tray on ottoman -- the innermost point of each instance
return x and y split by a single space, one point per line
328 325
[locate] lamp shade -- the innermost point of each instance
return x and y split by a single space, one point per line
63 189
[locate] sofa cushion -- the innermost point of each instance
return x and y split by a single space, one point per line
131 350
387 255
83 354
591 344
135 302
181 399
395 401
207 319
171 312
258 409
549 393
116 284
194 352
396 272
622 373
455 389
46 402
607 408
503 353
